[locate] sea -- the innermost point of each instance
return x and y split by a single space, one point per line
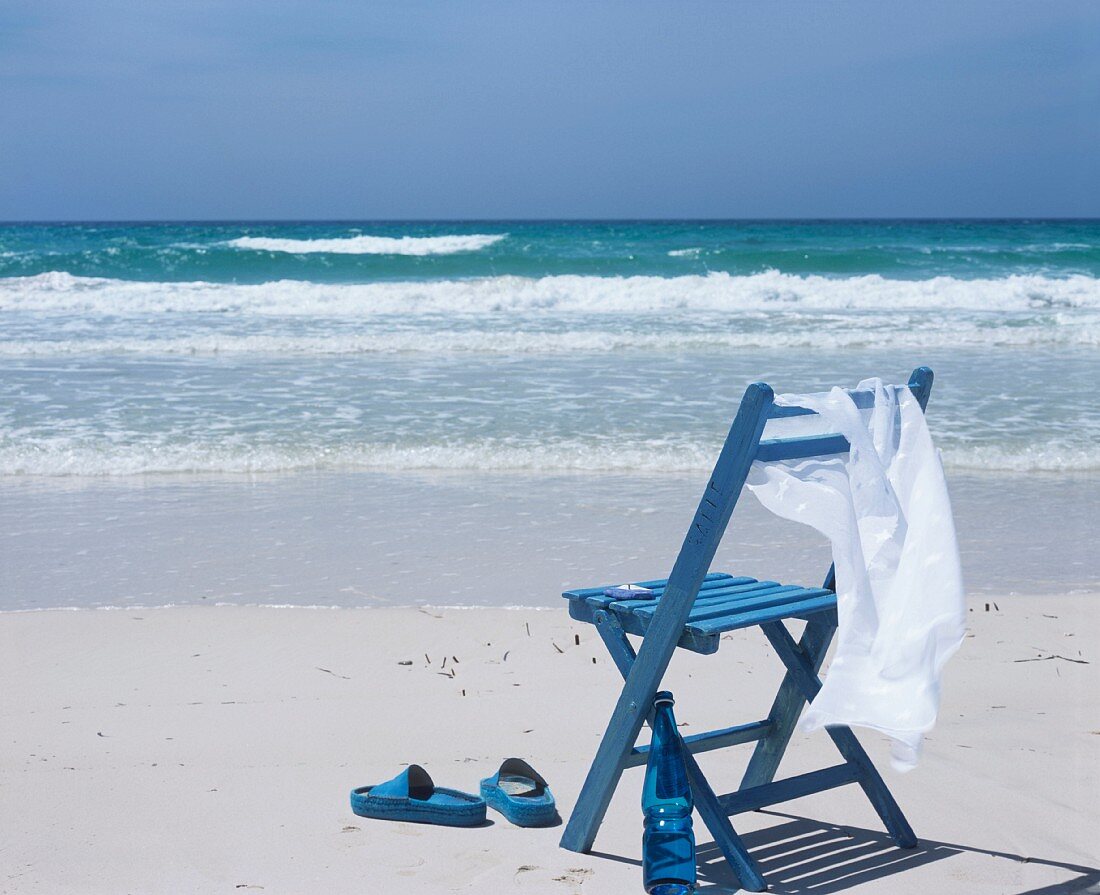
459 412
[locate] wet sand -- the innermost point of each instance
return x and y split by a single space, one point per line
378 539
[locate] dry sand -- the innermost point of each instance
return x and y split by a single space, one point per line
211 749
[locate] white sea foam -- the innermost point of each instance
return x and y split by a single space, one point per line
58 314
63 458
1032 458
372 245
769 292
851 333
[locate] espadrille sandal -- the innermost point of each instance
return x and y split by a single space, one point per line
412 796
518 792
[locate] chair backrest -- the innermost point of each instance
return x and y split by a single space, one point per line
743 445
823 444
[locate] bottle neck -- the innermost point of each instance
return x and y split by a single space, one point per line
664 721
666 792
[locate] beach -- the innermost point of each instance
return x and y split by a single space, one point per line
287 506
209 749
351 355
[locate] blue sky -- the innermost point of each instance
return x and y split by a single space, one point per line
169 109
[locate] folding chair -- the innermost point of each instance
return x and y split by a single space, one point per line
691 609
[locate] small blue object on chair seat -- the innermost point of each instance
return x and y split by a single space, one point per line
628 592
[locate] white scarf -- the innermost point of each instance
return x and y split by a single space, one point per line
884 508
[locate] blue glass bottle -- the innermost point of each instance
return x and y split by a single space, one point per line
668 844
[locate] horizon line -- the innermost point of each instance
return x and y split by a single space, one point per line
556 220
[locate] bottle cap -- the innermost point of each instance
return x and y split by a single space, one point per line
663 696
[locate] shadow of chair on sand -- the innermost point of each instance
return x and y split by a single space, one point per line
806 857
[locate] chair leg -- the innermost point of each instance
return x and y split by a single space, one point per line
874 787
801 669
592 803
787 707
706 802
725 837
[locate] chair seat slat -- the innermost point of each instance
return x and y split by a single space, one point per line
780 596
734 596
689 640
706 587
602 601
596 596
760 616
654 584
717 594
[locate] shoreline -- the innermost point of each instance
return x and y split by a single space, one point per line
429 608
326 539
208 749
426 607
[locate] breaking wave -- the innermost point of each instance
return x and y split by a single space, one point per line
61 457
851 333
769 292
371 245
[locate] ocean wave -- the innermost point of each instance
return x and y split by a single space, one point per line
372 245
782 333
1046 457
61 457
771 292
997 248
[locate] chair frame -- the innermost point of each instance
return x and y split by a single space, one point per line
644 669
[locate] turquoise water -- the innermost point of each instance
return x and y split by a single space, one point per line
910 250
540 347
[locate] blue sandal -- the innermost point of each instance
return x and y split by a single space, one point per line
519 793
412 796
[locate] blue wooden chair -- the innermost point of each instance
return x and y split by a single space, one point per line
692 608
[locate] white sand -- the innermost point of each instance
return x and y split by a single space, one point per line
211 749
